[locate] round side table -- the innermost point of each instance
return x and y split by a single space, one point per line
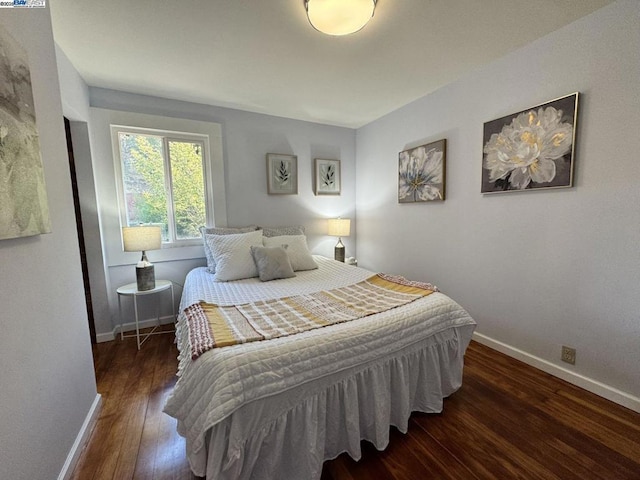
131 290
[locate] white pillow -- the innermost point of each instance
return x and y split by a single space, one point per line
298 250
211 263
232 255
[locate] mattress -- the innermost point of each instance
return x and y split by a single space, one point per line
279 408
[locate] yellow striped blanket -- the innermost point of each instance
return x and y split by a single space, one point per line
213 326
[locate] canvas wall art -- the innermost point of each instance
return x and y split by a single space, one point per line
421 173
23 198
532 149
327 175
282 174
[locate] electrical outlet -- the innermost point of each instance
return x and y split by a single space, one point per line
568 355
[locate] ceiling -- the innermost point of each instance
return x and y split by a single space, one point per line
263 56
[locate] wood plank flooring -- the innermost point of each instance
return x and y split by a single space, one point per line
507 421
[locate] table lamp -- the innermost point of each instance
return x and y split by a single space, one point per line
339 227
143 238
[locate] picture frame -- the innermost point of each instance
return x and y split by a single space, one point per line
533 149
422 173
282 174
24 208
328 178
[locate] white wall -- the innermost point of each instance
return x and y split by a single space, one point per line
73 89
47 378
247 138
75 106
542 269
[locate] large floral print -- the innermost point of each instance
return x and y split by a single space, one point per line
531 149
24 210
421 173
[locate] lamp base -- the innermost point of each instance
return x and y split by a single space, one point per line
338 252
146 278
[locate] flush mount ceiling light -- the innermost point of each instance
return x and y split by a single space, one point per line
339 17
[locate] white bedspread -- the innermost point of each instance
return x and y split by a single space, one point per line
331 274
244 405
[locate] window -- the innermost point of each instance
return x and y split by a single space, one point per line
163 181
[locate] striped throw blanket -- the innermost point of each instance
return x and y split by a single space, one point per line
212 326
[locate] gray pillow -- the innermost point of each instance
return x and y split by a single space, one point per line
285 230
297 250
272 263
211 263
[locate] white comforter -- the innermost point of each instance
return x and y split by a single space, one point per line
249 388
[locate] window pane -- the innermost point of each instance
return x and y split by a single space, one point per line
188 188
143 178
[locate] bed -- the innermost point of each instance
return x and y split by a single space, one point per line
277 409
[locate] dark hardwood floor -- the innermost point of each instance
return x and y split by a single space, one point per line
507 421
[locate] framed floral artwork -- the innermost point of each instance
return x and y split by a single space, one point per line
327 175
421 173
532 149
282 174
24 209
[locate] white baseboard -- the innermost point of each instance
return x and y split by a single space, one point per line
105 337
593 386
81 439
128 327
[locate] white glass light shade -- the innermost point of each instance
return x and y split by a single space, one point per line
138 239
339 17
339 227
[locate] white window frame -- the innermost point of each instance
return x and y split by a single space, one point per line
167 136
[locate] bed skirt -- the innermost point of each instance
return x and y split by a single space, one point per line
290 435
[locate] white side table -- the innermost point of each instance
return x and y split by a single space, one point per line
131 290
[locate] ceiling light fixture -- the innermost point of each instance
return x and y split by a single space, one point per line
339 17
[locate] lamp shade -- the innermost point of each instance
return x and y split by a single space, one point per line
339 227
339 17
138 239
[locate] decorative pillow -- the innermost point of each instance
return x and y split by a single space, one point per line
286 230
211 264
298 250
232 255
272 263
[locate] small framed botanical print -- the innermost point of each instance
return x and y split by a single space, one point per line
282 174
327 175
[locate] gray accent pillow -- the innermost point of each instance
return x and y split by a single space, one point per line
211 263
298 251
285 230
272 263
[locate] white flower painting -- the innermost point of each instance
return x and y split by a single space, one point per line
531 149
23 197
421 173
